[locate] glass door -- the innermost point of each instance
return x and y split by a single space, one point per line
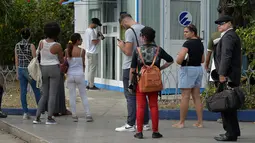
179 14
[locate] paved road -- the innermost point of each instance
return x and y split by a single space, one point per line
8 138
109 111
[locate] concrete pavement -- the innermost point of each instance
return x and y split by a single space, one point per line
109 111
8 138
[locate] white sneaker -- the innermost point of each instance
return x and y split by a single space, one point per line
125 128
145 127
26 116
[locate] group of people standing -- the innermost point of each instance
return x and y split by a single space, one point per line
227 58
50 96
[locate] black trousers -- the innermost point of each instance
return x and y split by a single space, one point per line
229 118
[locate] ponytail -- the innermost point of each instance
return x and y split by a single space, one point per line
70 48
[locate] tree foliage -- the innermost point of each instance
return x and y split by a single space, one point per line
17 14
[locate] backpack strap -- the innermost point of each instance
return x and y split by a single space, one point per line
141 56
155 57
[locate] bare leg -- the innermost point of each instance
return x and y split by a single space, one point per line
184 107
198 105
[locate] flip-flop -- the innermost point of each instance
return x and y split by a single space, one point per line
178 126
198 125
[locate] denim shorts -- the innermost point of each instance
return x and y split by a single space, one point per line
190 76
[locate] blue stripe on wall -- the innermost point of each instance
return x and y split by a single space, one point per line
168 91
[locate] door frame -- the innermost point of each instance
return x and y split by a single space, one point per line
116 34
170 75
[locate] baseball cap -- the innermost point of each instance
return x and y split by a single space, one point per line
224 18
96 21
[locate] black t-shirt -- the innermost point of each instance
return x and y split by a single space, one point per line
148 52
195 51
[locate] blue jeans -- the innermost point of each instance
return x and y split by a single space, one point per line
24 79
131 102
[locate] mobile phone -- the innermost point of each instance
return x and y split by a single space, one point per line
118 39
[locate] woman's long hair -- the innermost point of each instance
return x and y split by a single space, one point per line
73 40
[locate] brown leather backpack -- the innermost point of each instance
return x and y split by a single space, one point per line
149 79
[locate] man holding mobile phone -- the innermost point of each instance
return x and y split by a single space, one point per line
92 40
132 42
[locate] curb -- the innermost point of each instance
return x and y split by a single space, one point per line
164 114
16 111
243 115
20 133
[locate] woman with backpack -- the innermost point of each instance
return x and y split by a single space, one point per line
149 54
75 75
24 53
190 58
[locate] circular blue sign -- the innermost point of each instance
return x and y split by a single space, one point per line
185 18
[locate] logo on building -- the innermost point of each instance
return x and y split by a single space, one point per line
185 18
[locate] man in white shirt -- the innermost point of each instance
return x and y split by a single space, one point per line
91 40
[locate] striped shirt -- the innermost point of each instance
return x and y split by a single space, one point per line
23 50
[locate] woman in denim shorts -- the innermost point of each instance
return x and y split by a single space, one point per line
191 73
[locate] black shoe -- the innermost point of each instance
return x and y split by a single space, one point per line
2 115
139 135
94 88
156 135
87 87
225 138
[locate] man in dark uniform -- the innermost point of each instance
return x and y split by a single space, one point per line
227 58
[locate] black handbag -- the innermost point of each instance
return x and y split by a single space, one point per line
225 99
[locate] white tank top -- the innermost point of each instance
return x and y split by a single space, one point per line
75 65
47 58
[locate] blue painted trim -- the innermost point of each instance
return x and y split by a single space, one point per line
15 111
167 91
70 1
243 115
137 10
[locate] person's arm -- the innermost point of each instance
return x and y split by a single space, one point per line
94 38
134 65
127 47
56 49
169 60
33 50
208 58
181 55
209 53
226 57
83 59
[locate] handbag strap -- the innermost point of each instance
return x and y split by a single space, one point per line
40 46
137 43
141 56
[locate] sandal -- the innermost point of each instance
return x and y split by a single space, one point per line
178 126
198 125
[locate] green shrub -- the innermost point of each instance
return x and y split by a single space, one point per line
19 14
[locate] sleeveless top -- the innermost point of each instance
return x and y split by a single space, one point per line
75 65
47 58
24 53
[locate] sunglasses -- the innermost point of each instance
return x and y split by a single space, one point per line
222 23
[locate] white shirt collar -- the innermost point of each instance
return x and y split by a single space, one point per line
222 34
